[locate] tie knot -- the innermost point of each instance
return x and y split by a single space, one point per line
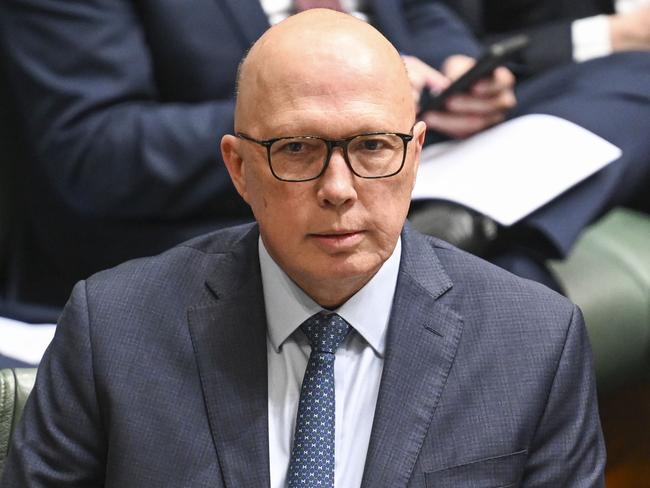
325 331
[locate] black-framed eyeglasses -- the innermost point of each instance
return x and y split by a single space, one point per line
303 158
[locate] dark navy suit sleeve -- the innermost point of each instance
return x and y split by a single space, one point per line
102 129
60 440
568 447
437 32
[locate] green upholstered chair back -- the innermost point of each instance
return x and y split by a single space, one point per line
608 276
15 387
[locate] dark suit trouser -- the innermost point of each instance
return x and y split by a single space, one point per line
610 96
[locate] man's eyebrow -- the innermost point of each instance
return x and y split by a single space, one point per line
320 134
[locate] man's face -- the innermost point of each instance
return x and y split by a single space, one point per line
332 234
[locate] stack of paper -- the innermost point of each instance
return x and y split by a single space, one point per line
512 169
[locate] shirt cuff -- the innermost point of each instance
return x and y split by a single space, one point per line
590 37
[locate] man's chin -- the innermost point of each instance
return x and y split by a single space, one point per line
348 268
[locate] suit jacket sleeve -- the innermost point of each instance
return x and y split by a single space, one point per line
437 32
568 448
60 440
99 128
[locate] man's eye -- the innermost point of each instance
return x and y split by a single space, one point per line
297 147
373 144
292 147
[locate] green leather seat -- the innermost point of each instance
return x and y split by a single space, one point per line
608 276
15 386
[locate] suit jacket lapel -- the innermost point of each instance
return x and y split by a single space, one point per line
249 16
229 339
422 340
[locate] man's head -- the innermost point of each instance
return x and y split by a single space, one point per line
326 74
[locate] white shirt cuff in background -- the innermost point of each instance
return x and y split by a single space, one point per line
626 6
591 38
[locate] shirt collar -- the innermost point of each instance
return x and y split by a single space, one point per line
367 311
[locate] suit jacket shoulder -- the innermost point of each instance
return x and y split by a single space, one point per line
504 369
180 271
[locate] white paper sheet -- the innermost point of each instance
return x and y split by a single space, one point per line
25 342
512 169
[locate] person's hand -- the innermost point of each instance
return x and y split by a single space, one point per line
630 31
422 75
485 105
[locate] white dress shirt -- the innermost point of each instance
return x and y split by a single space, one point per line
357 368
591 36
278 10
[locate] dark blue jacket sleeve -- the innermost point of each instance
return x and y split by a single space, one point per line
102 128
437 32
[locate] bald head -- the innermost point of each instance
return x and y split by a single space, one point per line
329 76
320 53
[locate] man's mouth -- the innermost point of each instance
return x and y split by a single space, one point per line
338 240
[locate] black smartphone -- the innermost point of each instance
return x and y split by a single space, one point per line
495 55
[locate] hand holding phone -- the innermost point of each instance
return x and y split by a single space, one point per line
496 55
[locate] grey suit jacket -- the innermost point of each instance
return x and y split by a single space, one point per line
157 377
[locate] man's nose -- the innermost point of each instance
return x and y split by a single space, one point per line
336 186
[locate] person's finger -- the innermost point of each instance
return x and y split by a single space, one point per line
460 126
501 80
470 104
422 75
455 66
433 79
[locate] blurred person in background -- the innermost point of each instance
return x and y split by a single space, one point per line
588 62
121 105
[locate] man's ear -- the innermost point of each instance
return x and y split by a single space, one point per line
419 134
231 152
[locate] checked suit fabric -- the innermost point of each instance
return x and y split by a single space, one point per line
312 457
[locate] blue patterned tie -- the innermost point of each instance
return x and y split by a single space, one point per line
312 457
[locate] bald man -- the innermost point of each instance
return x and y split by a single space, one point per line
328 344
